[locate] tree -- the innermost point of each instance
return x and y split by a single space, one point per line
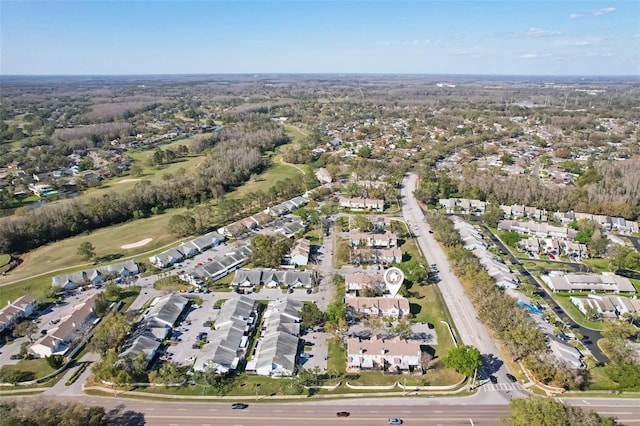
86 251
493 215
182 224
267 251
136 170
29 411
101 305
549 412
112 291
464 359
25 328
55 361
364 152
425 360
311 316
169 373
403 328
336 311
110 333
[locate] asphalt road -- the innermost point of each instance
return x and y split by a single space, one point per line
472 410
471 330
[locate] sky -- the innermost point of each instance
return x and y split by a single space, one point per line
559 37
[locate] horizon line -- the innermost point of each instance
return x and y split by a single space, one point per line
256 74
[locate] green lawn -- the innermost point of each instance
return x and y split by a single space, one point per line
277 171
61 256
597 265
574 313
337 356
295 133
152 174
29 369
4 259
428 306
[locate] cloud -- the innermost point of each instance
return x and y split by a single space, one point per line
578 43
598 55
539 32
534 55
595 12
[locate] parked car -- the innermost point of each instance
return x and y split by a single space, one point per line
343 414
493 379
239 406
394 421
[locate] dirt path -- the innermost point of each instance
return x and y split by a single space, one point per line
292 165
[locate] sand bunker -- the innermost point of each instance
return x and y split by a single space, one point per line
127 181
138 244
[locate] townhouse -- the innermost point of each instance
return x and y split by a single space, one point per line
15 310
378 354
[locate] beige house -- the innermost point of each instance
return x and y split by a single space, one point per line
70 328
391 355
395 307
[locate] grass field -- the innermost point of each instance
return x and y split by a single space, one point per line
295 133
54 259
4 259
151 174
277 171
598 265
30 369
574 313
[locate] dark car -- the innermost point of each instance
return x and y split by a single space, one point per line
511 378
343 414
239 406
493 379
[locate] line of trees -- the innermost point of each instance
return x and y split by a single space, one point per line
229 163
510 323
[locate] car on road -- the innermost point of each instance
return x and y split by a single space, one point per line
343 414
511 378
239 406
394 421
493 379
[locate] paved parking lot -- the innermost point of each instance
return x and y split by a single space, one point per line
317 356
188 332
53 312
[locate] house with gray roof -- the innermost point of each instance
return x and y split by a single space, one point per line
167 309
277 348
273 278
96 275
230 339
167 258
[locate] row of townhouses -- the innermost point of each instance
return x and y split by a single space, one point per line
360 204
607 282
271 278
147 336
495 267
277 348
15 310
607 306
117 271
516 211
230 340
